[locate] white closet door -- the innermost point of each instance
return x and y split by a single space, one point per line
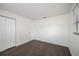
10 32
1 34
7 29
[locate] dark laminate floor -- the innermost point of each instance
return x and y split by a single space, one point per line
37 48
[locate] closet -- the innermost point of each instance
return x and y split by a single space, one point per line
7 32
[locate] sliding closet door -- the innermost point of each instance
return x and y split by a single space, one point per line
7 35
1 34
9 32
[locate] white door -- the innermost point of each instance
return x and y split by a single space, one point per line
7 33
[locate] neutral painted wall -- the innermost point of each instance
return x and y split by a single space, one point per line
23 26
53 30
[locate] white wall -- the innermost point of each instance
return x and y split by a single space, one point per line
23 26
53 30
74 45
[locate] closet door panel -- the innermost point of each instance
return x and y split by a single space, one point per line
10 32
7 33
1 34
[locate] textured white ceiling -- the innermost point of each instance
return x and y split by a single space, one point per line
37 10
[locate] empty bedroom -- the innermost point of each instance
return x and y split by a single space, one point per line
39 29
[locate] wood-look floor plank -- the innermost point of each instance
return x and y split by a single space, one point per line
37 48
